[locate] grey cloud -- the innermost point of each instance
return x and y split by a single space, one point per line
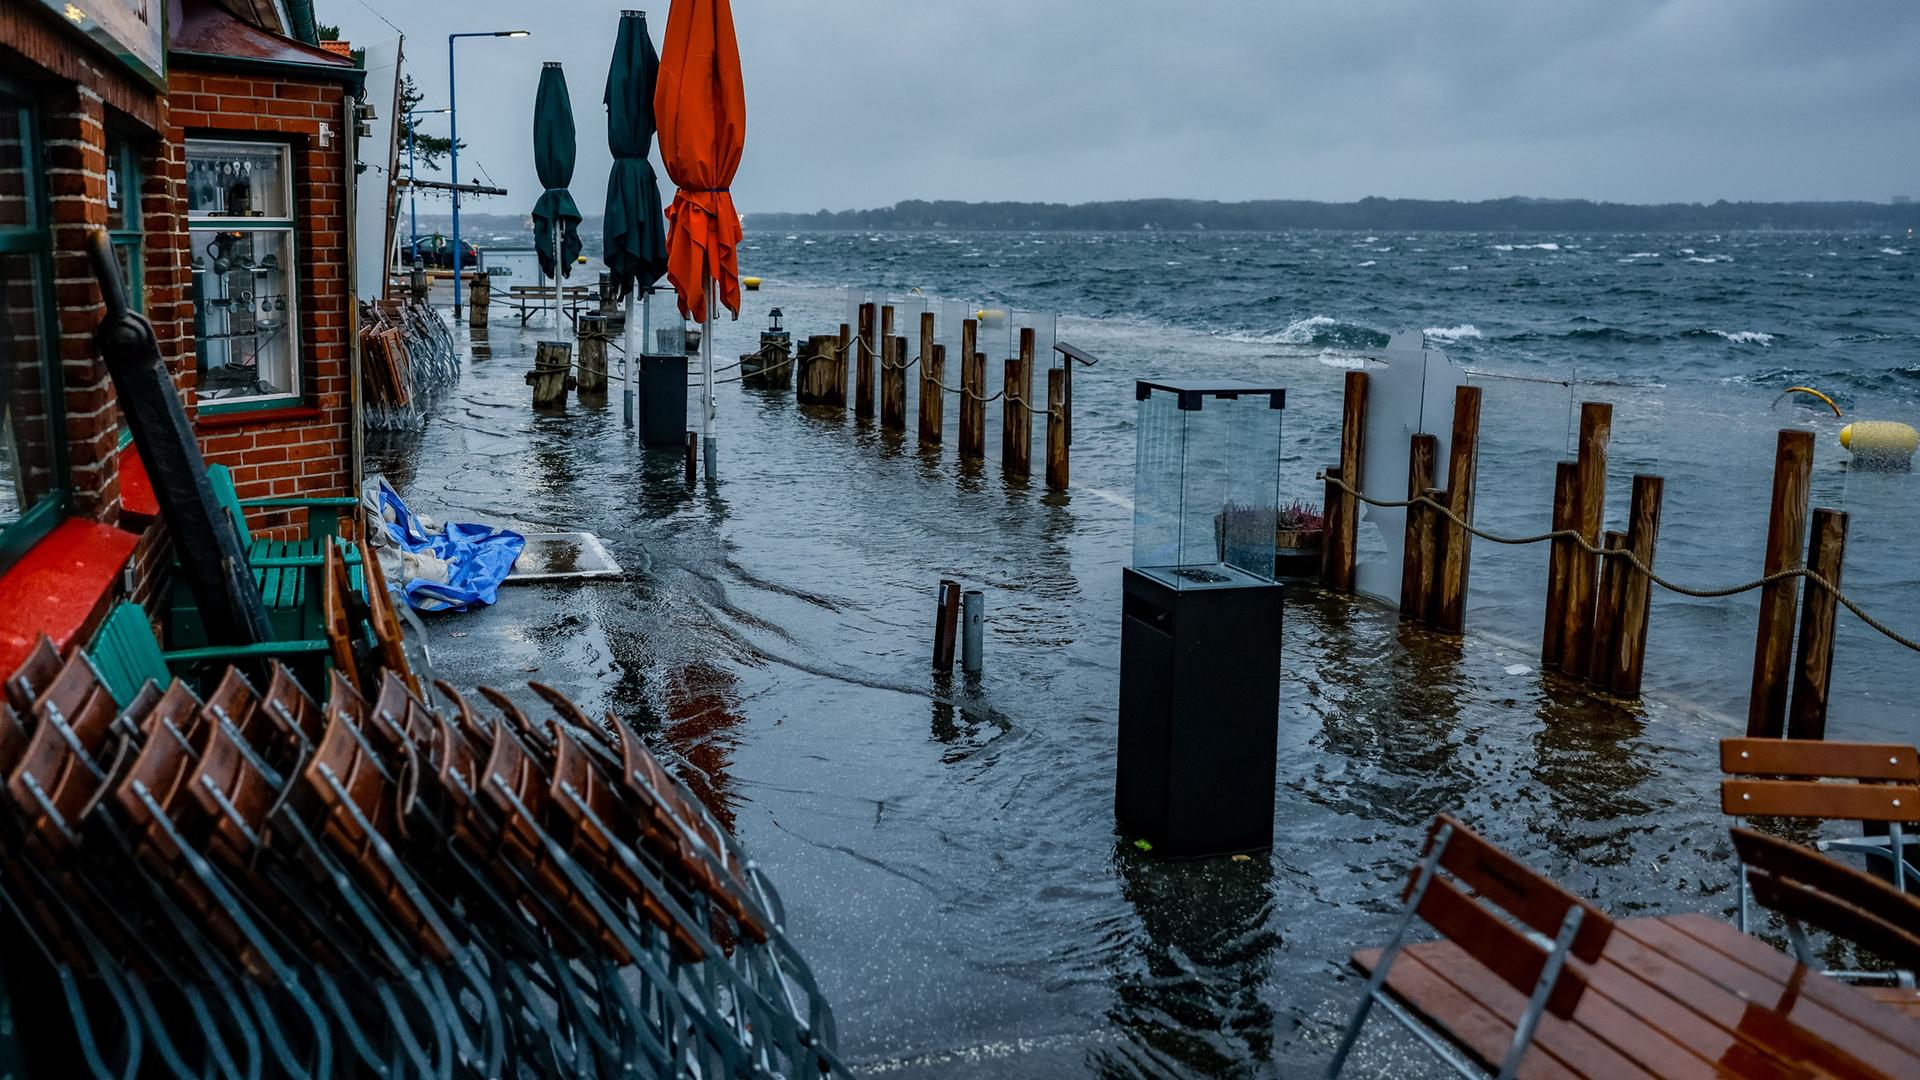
866 102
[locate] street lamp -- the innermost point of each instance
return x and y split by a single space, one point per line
413 213
453 103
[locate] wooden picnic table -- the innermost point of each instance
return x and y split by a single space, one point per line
1671 996
528 300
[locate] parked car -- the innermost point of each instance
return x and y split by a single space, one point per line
436 252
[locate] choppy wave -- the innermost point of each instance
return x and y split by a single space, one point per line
1547 246
1737 337
1453 333
1369 262
1891 251
1322 331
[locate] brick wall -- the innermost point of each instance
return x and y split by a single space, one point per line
305 450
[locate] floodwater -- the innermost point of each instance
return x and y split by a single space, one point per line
946 846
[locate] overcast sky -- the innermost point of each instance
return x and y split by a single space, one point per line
861 103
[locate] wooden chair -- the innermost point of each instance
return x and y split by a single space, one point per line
286 571
1534 964
1798 778
129 657
1806 888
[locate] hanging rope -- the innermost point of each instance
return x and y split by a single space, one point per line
1634 560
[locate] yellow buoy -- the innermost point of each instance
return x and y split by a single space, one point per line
750 282
1881 443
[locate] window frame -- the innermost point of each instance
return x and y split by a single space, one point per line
289 225
130 236
35 241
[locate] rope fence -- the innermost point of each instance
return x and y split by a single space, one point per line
1671 586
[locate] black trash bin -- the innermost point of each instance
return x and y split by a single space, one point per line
663 401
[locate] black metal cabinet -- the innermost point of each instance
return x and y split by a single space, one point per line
1199 713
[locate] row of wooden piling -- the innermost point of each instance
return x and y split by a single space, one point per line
1597 605
822 373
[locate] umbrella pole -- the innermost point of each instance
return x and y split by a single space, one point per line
706 375
626 359
558 334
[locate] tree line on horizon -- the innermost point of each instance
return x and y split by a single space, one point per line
1514 214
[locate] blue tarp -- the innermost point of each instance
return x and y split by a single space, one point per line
477 557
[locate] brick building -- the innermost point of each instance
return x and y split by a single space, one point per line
220 162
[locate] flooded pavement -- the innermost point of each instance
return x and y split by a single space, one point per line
946 846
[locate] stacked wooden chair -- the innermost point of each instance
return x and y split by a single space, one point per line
380 877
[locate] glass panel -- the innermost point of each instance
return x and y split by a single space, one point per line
227 179
16 196
127 253
245 303
1206 486
121 187
26 451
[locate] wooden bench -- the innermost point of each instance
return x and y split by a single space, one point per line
1867 782
1673 996
529 300
128 656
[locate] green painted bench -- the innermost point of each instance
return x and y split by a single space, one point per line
286 571
127 656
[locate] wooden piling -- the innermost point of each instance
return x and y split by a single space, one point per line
1553 634
1057 429
863 364
1016 430
1786 539
840 357
893 385
593 360
933 395
1608 599
926 359
479 293
1454 546
1332 511
552 374
1813 672
1416 557
946 624
813 381
1627 654
973 405
693 456
1590 503
1343 527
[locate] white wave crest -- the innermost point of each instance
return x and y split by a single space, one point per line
1369 262
1453 333
1746 337
1642 255
1709 260
1342 360
1456 268
1891 251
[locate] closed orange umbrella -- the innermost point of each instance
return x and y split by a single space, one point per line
700 109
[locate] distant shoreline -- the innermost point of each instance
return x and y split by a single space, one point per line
1512 215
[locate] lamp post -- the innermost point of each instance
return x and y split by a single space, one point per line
453 107
413 213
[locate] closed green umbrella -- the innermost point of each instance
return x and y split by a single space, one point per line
556 220
636 244
636 241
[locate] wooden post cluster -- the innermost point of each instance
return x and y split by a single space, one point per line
1339 549
1016 430
1579 504
863 364
1434 569
1057 428
1620 654
1786 536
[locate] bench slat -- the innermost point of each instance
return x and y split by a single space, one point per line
1478 1032
1803 757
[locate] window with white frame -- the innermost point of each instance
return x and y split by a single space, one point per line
246 300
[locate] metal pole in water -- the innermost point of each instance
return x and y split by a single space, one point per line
626 359
973 614
706 375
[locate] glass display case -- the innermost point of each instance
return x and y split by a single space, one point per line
1206 493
